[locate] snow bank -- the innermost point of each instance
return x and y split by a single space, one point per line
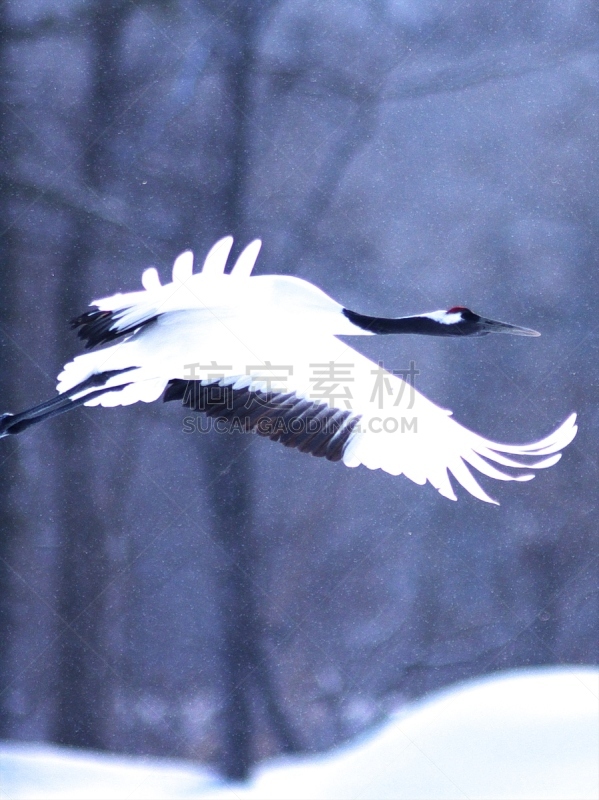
46 772
525 735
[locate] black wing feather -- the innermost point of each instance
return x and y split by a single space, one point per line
97 327
294 421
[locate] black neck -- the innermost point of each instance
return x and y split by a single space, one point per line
421 325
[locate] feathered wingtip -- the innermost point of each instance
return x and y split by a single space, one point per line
247 259
216 260
546 452
215 264
101 324
449 451
557 440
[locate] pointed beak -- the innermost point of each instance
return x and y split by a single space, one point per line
492 326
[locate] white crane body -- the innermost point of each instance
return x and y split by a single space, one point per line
269 344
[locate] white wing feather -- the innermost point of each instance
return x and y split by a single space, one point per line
216 260
183 267
150 279
247 259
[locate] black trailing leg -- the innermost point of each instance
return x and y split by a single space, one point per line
16 423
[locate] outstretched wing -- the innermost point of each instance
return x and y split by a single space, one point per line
120 315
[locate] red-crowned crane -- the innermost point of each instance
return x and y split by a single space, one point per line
262 354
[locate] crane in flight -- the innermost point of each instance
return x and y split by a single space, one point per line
263 354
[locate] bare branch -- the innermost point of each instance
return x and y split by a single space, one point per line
71 197
475 71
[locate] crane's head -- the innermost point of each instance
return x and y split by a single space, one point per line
460 321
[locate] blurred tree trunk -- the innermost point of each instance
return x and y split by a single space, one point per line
9 517
85 672
6 526
245 668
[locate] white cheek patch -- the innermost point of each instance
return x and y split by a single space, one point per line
444 317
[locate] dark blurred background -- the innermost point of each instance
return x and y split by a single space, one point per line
222 598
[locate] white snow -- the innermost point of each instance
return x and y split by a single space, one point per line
47 772
522 735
